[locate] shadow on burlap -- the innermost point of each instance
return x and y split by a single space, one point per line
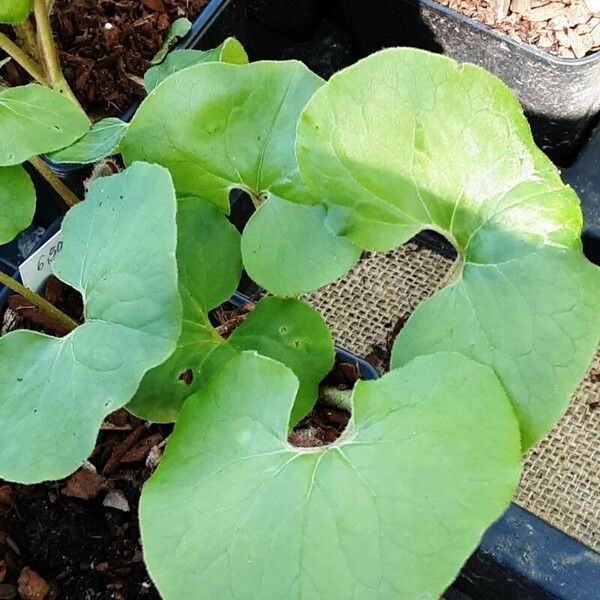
561 480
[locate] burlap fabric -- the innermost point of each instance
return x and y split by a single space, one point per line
561 480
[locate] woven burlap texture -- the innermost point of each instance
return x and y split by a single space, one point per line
561 479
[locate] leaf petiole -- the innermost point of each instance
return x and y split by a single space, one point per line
22 58
57 315
68 197
48 51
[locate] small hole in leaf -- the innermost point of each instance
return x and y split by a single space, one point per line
187 377
283 330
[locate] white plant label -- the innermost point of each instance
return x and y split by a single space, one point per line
38 267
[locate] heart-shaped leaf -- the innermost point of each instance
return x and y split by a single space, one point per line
280 228
446 147
34 120
14 11
17 202
390 510
210 267
230 51
119 252
235 130
100 141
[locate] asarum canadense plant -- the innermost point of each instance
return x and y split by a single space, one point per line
400 142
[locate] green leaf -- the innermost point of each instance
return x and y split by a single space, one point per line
230 51
210 267
235 130
34 120
17 202
279 228
390 510
119 252
100 141
179 28
294 334
405 141
13 12
535 320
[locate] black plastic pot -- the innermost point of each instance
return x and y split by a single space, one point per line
74 175
561 96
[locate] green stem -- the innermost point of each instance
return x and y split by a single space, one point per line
48 51
453 273
68 197
57 315
22 58
340 399
26 36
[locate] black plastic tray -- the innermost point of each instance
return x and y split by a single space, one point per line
560 95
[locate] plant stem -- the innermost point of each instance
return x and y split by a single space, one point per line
340 399
48 51
68 197
60 317
452 274
26 36
22 58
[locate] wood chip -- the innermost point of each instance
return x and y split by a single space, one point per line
545 41
577 44
8 591
85 485
31 586
558 23
141 449
522 7
7 495
500 8
119 452
564 52
563 39
157 5
578 13
546 12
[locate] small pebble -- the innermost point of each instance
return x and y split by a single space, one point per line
116 499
